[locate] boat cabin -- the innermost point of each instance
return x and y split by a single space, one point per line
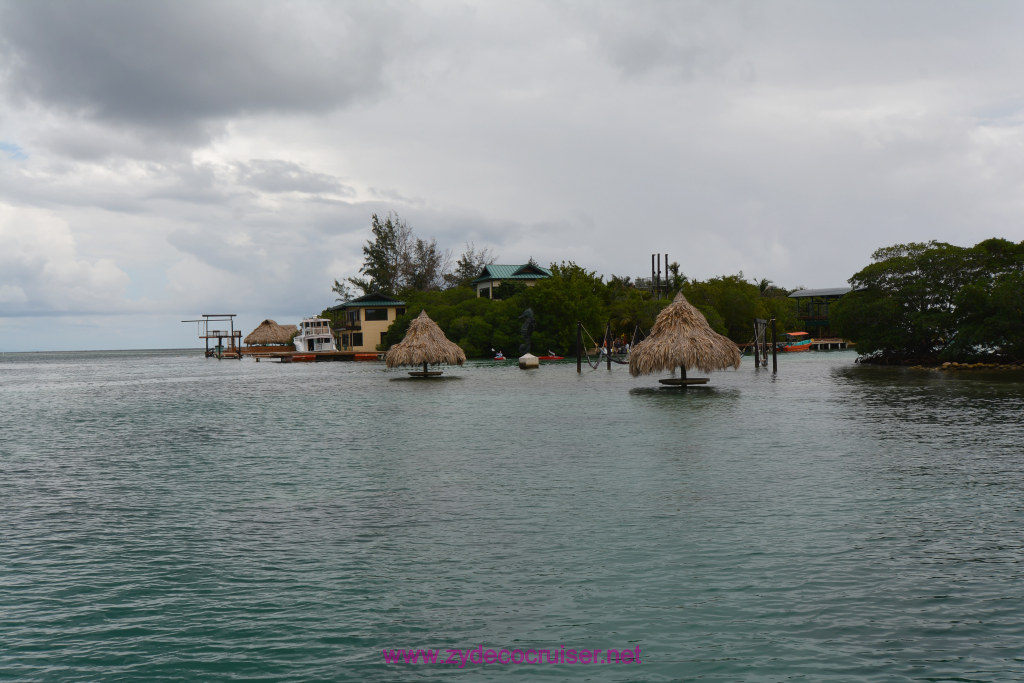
315 335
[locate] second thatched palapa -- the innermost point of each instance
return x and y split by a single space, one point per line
269 332
424 343
682 338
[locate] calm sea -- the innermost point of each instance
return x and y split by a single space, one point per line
167 517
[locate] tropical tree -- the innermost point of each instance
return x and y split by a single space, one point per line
396 261
674 276
780 307
631 311
903 303
931 301
990 309
343 290
384 255
571 294
468 266
424 267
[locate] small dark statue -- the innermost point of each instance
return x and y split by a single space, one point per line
526 330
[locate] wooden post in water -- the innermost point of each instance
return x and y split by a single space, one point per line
775 351
579 347
760 343
607 344
236 339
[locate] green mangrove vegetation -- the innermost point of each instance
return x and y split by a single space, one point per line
916 303
398 263
926 303
573 293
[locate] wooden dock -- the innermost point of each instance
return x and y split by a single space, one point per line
233 349
311 356
829 344
814 345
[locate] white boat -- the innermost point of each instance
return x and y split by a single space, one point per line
315 335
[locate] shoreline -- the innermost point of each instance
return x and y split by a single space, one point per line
953 366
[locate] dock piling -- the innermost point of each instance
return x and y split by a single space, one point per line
775 351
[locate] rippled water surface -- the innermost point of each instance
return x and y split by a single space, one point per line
168 517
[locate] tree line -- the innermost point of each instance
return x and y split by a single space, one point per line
399 264
929 302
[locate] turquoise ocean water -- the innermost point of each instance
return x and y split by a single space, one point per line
167 517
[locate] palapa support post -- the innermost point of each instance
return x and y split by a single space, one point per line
682 382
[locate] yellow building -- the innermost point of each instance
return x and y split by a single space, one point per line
361 323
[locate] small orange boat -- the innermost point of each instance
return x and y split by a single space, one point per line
796 341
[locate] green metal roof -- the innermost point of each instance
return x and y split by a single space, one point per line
521 272
372 300
832 291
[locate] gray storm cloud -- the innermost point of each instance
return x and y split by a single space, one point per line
173 65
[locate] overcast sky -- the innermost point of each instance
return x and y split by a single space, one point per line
159 160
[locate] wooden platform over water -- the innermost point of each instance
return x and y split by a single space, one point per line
313 356
834 344
829 344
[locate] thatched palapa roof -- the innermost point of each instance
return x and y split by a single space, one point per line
269 332
681 337
424 343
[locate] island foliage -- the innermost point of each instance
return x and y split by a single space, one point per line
932 302
416 271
